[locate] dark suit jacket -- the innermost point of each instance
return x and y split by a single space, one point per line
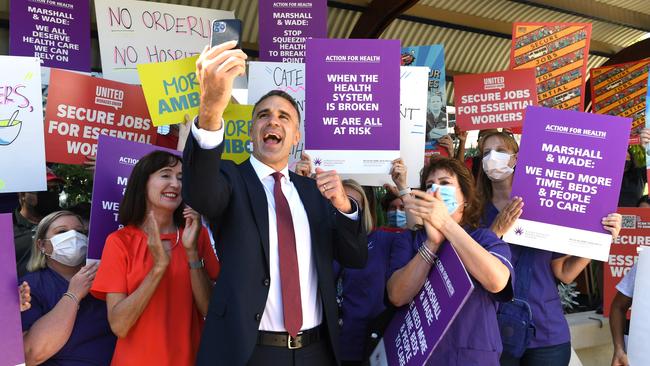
233 199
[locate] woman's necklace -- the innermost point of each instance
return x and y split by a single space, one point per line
177 240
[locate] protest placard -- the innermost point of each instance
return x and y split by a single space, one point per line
139 32
415 330
171 90
22 167
433 57
635 231
637 345
352 104
569 171
56 32
80 108
413 109
493 100
237 143
11 332
284 26
558 53
288 77
620 90
115 161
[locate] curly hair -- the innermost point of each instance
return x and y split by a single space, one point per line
473 205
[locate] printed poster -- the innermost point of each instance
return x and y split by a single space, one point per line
558 53
416 329
238 119
115 161
413 109
637 346
11 332
288 77
22 168
635 231
284 27
353 104
433 57
56 32
171 90
139 32
569 171
620 90
80 108
493 100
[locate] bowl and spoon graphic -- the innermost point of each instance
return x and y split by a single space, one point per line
10 129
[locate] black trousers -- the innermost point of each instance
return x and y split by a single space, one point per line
316 354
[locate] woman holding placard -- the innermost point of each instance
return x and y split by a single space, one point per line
536 270
450 214
156 273
62 325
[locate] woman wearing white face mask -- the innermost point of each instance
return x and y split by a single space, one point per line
63 326
536 270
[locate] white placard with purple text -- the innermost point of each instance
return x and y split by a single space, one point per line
140 32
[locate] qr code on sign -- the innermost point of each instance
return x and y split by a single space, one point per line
629 222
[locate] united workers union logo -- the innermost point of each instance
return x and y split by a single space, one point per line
519 231
318 162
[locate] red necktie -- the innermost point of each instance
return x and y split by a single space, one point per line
289 276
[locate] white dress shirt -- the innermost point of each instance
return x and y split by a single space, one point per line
312 311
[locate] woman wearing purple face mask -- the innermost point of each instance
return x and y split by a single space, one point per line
453 219
63 326
536 270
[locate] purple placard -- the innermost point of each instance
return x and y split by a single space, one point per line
11 332
598 140
115 160
352 112
56 31
415 331
569 171
284 26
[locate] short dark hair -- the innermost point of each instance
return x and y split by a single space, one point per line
134 203
281 94
473 204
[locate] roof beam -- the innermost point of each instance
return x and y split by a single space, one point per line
597 11
496 28
377 16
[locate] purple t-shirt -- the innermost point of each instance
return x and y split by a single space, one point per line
551 327
473 338
362 293
91 341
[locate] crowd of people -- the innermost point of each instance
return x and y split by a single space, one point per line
300 272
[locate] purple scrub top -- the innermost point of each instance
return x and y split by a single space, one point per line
91 341
551 325
362 293
473 338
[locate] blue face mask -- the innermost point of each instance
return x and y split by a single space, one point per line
396 218
448 194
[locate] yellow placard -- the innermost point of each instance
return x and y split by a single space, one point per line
171 90
238 120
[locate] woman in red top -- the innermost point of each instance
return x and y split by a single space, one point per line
157 291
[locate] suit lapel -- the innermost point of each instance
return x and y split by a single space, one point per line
258 203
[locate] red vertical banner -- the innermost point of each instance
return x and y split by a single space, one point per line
558 53
635 231
620 90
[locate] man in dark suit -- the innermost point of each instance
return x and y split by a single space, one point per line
276 232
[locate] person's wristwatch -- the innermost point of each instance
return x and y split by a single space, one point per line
197 264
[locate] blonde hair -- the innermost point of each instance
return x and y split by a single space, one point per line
38 259
367 220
